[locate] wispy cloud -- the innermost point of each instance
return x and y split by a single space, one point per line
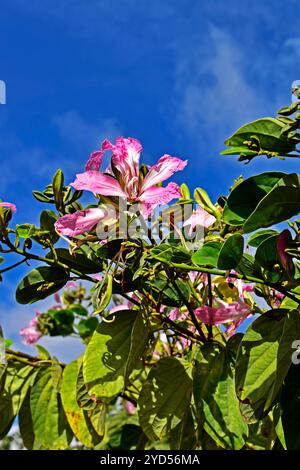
214 93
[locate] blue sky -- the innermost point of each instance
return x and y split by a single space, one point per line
179 75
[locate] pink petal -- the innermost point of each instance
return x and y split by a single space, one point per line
156 195
119 308
164 168
98 183
200 217
79 222
95 160
224 314
9 205
174 314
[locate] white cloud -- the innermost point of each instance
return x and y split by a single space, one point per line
214 94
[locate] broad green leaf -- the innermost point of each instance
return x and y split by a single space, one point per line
269 133
110 355
290 409
249 267
50 424
26 426
290 303
83 399
78 418
86 327
47 221
165 397
231 252
215 397
258 237
208 254
25 230
262 435
267 257
169 254
16 381
40 283
281 203
77 261
245 197
263 360
164 292
239 150
184 435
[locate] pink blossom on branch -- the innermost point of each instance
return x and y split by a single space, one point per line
9 205
79 222
234 313
31 334
125 159
200 217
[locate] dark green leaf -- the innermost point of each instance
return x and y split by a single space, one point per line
40 283
231 252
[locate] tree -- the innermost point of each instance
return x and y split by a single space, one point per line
157 297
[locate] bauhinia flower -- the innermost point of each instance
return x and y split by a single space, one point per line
123 178
9 205
79 222
200 217
234 313
31 334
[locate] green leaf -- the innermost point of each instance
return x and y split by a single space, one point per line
215 397
77 261
26 426
245 197
249 267
239 150
290 409
164 292
49 421
231 252
40 283
203 200
25 230
184 435
110 356
267 257
16 381
269 133
165 397
78 418
208 254
258 237
47 221
263 360
262 434
82 397
281 203
168 253
86 327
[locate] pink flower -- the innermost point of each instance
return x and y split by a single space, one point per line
199 218
31 333
79 222
234 313
125 163
8 205
130 407
174 314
